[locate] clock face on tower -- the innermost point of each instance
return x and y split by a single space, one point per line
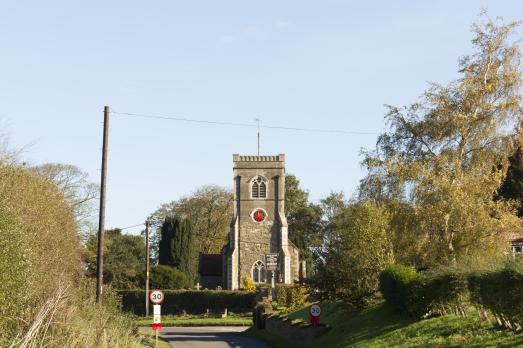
259 215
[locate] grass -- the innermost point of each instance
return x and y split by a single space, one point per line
149 336
380 327
192 320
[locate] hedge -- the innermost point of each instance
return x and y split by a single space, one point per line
191 301
498 291
404 289
501 292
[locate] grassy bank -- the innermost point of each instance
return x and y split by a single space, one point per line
380 327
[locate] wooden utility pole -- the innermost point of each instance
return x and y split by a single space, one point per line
147 268
101 217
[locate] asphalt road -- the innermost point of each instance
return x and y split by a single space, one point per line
210 336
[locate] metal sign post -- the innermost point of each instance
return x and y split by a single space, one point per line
271 264
157 297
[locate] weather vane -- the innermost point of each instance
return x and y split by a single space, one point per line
258 125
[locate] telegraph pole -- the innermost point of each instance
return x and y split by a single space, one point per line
146 268
101 217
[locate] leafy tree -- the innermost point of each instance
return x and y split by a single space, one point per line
441 154
304 219
333 205
167 277
78 190
176 247
355 256
124 259
210 211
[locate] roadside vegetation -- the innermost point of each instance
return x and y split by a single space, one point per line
45 298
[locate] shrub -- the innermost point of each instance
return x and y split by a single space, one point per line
404 289
167 277
191 301
247 283
291 296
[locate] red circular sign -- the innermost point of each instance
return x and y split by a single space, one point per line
156 296
258 215
315 310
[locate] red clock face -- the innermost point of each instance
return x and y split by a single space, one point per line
259 215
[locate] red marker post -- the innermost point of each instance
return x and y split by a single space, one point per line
315 312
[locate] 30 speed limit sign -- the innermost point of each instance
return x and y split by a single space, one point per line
315 310
156 296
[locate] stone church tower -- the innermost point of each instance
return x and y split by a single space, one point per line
259 226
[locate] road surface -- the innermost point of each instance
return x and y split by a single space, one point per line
210 336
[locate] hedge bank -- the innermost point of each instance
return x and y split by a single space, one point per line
191 301
452 291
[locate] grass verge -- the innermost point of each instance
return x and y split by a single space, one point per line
191 321
379 326
149 338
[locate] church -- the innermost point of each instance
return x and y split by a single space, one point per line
258 245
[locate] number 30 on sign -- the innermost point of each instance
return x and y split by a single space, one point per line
156 296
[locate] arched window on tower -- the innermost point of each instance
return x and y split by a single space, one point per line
258 272
259 188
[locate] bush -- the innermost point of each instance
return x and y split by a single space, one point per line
404 289
191 301
247 283
167 277
291 296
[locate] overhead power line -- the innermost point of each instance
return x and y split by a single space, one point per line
251 125
125 228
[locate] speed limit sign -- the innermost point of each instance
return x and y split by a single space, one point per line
315 310
156 296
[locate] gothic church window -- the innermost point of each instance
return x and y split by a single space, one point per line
258 272
259 188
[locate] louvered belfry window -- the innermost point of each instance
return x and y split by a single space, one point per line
259 188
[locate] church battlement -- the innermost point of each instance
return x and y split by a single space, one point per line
278 158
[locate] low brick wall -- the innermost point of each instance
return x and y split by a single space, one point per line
298 331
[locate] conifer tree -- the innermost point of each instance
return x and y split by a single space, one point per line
176 247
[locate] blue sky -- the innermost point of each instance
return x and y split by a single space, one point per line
310 64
